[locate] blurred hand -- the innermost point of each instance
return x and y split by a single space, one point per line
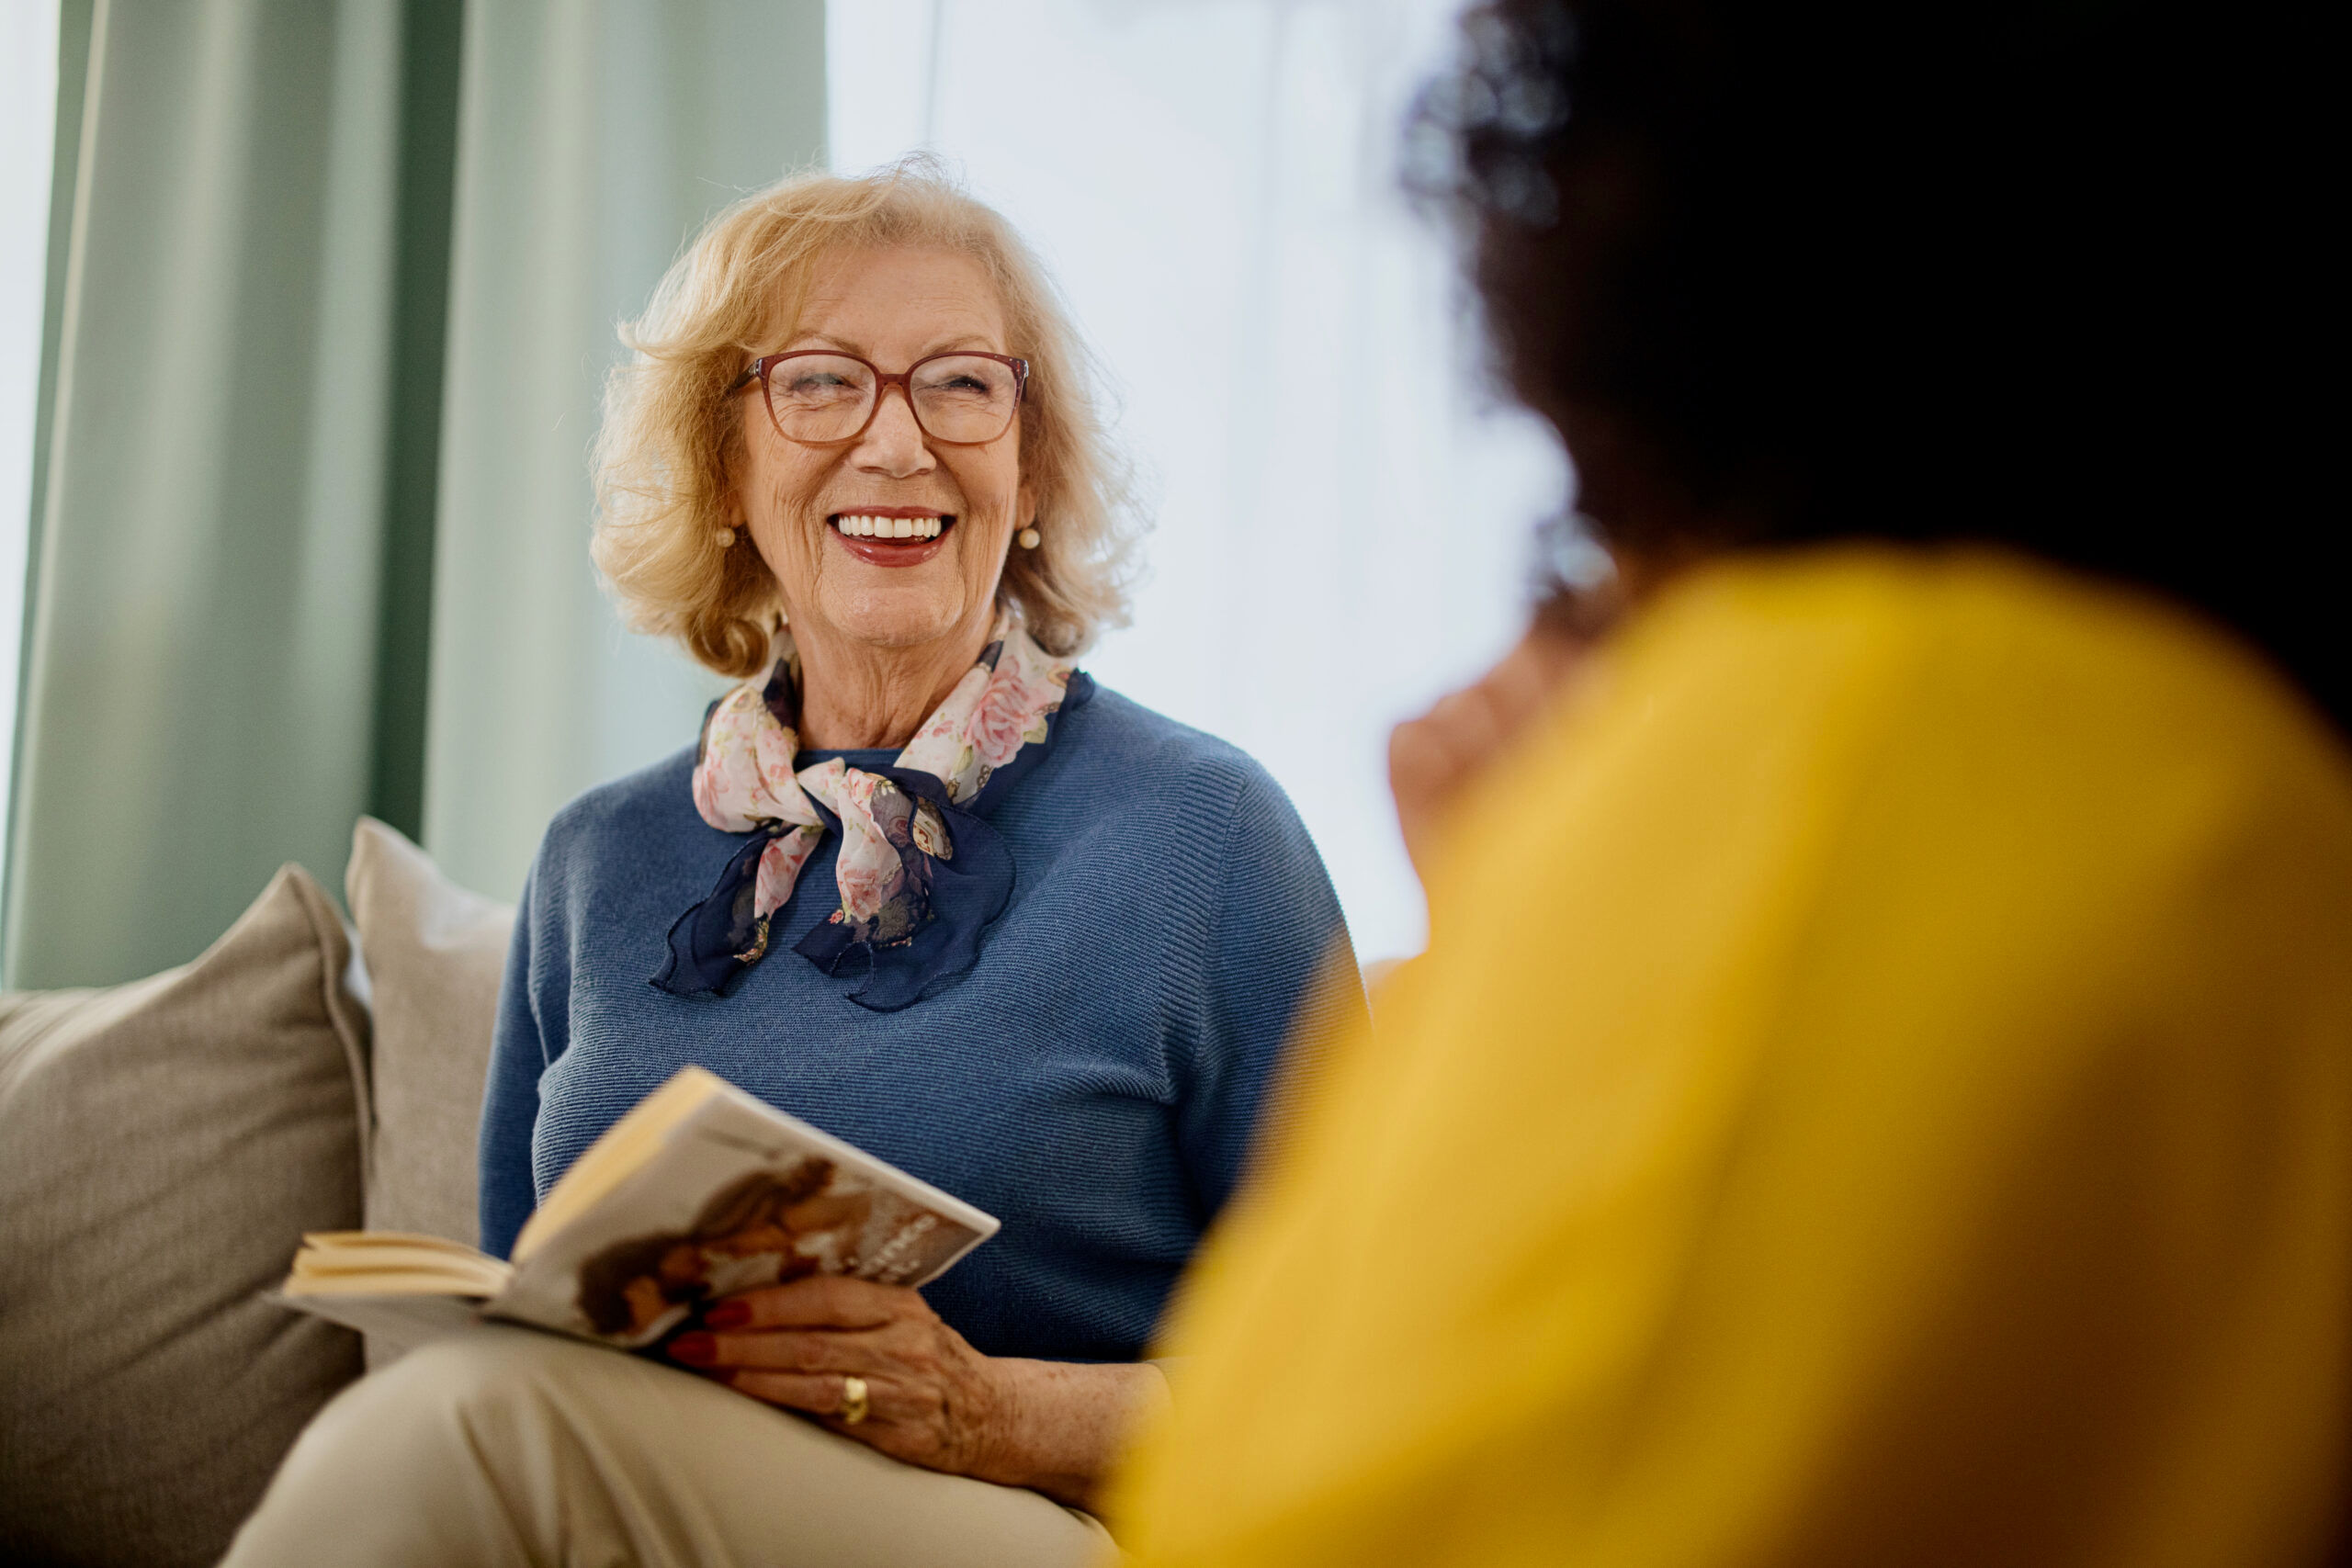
1432 758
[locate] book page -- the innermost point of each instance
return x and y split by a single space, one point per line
392 1263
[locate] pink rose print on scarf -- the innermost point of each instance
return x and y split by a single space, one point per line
1010 709
780 865
868 871
744 776
866 887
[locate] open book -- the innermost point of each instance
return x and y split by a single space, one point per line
699 1191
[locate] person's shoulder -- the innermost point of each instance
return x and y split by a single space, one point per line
1131 751
2162 713
1972 634
1961 683
624 815
1232 852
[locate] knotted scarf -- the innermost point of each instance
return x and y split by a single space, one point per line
921 873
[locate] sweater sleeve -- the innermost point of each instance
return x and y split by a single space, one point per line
526 1043
1276 981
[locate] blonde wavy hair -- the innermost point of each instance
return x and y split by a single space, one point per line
671 432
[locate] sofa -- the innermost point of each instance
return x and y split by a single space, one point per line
165 1145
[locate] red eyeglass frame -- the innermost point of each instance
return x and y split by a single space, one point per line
883 381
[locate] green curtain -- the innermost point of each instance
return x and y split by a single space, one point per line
202 602
335 287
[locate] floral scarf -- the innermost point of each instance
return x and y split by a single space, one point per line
921 873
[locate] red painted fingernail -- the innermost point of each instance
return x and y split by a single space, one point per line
697 1349
729 1314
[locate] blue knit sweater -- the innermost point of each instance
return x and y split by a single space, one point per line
1093 1081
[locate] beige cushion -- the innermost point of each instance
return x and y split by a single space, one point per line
162 1146
434 953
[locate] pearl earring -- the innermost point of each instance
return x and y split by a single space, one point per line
726 538
1027 538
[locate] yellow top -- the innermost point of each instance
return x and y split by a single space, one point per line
1878 1092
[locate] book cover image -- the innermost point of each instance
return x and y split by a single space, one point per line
769 1226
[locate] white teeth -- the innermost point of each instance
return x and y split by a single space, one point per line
863 526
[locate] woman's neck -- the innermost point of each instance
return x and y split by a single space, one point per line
855 697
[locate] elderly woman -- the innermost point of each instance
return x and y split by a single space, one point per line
921 883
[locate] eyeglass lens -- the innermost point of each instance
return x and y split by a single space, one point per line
957 397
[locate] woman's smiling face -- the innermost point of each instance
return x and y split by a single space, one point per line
809 509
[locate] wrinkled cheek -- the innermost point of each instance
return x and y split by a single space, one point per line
797 562
788 539
978 563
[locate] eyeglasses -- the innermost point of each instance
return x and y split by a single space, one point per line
821 398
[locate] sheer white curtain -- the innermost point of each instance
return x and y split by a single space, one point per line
1342 515
27 107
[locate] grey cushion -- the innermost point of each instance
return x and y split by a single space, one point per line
434 953
162 1146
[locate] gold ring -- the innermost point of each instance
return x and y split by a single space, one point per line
853 1401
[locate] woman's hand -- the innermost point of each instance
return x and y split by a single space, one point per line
931 1400
1433 758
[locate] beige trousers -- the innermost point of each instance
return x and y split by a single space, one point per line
500 1446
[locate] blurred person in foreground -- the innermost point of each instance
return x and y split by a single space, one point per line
1879 1091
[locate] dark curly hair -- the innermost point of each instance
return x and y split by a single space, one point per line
2011 273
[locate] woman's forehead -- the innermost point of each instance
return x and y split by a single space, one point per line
901 299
